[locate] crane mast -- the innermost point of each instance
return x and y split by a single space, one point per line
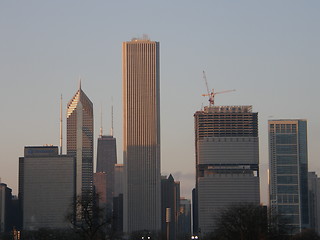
212 94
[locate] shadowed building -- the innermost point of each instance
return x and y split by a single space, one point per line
184 221
227 161
170 204
100 186
5 208
314 201
46 187
80 139
141 135
288 155
106 160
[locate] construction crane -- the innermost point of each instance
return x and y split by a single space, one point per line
212 94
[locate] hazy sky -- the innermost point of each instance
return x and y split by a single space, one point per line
267 50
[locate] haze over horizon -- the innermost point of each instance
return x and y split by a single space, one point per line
267 51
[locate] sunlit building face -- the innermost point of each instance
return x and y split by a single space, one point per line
80 139
141 129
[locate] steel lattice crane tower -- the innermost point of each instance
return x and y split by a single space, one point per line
212 94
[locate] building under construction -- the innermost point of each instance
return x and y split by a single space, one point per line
227 161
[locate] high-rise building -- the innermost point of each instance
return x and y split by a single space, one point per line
80 139
118 179
141 135
170 206
106 160
118 197
184 222
227 161
314 201
5 208
288 155
46 187
100 186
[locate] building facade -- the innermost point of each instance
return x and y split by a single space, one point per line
100 186
6 221
141 135
184 221
227 161
46 187
314 201
288 159
106 160
80 139
170 207
118 179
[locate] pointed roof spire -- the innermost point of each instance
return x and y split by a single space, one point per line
80 83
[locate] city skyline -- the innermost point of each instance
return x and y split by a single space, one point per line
267 51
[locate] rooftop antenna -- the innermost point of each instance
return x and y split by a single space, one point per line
101 129
111 130
60 125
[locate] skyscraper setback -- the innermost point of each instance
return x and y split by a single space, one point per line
80 139
227 161
141 139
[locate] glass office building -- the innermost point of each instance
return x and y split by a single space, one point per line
288 180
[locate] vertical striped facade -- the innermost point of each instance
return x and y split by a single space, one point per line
141 139
80 139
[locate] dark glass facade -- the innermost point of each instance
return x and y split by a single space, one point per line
289 171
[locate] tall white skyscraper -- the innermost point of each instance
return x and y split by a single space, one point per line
141 135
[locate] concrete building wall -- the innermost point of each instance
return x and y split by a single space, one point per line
219 191
229 150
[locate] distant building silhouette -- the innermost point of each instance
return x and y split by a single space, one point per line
106 160
184 220
170 204
100 185
80 139
46 187
227 161
141 135
118 197
288 154
314 201
6 221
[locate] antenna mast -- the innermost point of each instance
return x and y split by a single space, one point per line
111 130
101 128
61 124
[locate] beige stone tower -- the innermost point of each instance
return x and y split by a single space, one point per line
141 135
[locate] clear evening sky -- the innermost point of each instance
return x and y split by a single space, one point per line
269 51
